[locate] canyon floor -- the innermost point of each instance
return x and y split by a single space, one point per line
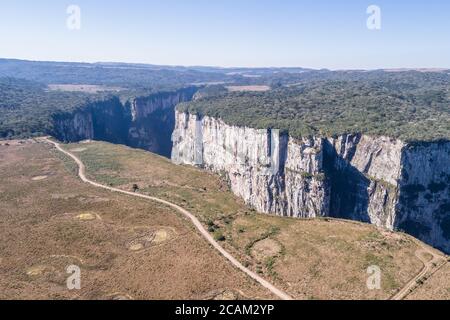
131 248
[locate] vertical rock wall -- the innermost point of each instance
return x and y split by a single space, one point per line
424 205
74 126
255 162
378 180
146 122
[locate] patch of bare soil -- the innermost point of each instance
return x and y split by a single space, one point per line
88 200
83 199
53 269
39 178
141 238
64 196
88 216
78 150
119 296
227 295
391 235
267 248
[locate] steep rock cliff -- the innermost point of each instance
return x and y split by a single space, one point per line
255 162
378 180
145 122
424 203
105 120
363 176
75 126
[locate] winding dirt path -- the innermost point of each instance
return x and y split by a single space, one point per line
430 267
81 173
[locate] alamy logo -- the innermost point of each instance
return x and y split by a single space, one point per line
374 279
374 20
74 19
74 280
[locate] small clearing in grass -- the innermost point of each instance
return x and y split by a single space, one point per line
39 178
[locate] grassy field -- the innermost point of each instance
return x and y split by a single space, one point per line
125 248
309 259
437 287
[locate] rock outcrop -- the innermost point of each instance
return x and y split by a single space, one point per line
73 126
424 202
378 180
145 122
363 174
270 171
153 120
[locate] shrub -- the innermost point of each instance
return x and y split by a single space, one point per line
218 236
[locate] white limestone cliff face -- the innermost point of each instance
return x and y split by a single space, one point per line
365 172
378 180
153 120
255 162
424 205
378 157
142 107
307 192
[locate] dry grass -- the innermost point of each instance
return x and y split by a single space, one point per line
436 287
310 259
125 248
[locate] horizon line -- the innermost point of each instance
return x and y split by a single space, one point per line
431 69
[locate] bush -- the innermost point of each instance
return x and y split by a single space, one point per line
218 236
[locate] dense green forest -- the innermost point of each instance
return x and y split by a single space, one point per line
27 108
413 106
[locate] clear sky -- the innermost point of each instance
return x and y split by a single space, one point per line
303 33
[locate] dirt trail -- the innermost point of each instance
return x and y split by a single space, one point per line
81 173
431 266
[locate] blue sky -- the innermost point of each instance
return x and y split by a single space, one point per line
303 33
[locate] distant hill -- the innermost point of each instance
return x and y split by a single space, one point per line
129 74
118 74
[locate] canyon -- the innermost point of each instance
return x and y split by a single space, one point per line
378 180
144 122
375 179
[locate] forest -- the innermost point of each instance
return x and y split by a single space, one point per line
412 106
27 108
